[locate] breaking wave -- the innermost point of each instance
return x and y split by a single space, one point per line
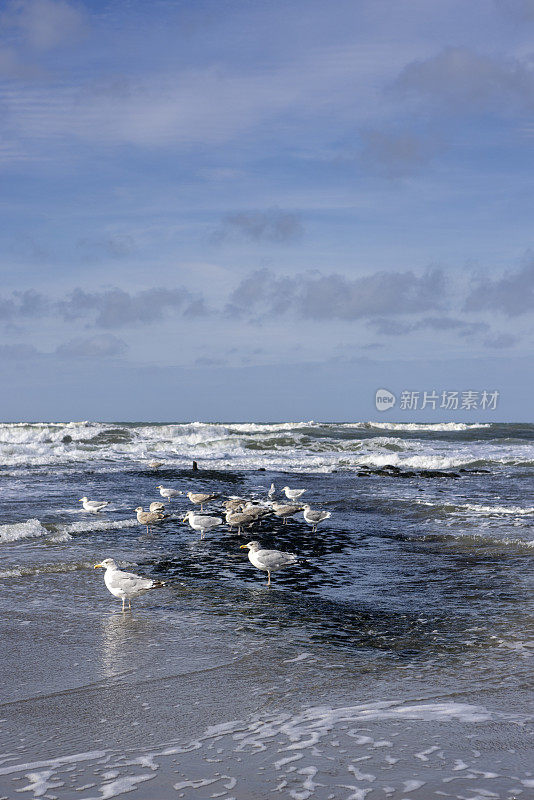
433 427
21 530
293 446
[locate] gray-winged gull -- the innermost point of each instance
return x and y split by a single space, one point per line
126 585
285 510
313 518
268 560
94 506
167 492
293 494
201 522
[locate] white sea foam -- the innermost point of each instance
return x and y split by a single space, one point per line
86 526
53 762
295 751
21 530
477 508
57 567
431 426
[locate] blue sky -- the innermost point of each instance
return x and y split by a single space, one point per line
265 210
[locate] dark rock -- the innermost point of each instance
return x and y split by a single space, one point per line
67 439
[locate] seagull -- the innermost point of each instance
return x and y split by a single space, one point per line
285 510
202 523
92 505
148 517
240 519
256 510
293 494
201 498
157 507
313 518
168 493
126 585
155 464
268 560
270 493
234 504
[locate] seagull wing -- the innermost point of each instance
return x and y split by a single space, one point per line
274 559
129 582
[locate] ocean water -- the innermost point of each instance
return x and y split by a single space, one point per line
394 660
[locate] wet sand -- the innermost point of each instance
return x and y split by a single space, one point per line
185 698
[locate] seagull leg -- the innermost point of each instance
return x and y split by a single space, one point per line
201 507
123 599
129 605
269 578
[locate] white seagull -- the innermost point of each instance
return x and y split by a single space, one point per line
201 522
313 518
293 494
94 506
270 493
268 560
168 493
126 585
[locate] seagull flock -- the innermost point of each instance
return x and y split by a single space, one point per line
241 513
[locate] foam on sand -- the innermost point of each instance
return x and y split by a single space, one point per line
300 753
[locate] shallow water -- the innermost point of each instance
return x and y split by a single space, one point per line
394 661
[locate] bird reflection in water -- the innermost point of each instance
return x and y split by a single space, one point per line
125 640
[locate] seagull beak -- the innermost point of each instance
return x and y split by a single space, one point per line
243 546
184 519
98 565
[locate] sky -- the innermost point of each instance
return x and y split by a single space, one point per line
263 210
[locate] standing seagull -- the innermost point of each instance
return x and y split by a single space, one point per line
270 493
285 511
92 505
157 507
200 499
293 494
313 518
126 585
202 523
148 517
168 493
268 560
240 519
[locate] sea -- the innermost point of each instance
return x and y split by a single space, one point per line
393 661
